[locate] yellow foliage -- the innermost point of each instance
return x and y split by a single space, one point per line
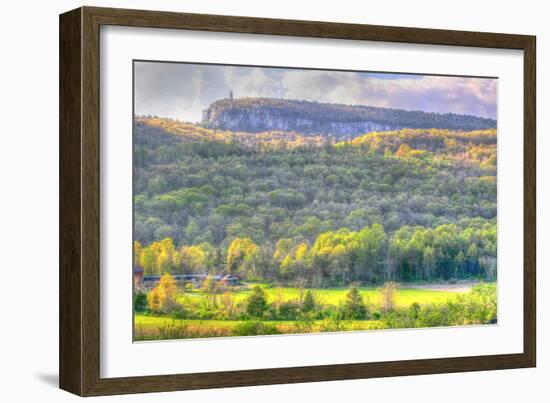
301 252
269 139
325 251
241 249
148 260
417 153
138 248
287 263
157 258
338 250
163 296
403 151
193 257
282 248
153 299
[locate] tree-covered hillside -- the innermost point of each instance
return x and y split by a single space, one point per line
395 205
338 120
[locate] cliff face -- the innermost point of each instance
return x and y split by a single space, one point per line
263 114
261 120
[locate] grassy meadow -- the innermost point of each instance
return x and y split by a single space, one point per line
154 327
336 295
325 317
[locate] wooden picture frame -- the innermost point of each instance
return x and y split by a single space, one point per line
79 346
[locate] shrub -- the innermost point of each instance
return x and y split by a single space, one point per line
288 310
205 314
178 312
433 316
304 324
228 306
256 303
388 292
153 299
329 311
354 307
172 331
309 302
333 323
180 330
140 302
476 307
479 306
374 325
254 328
210 288
399 319
414 310
163 297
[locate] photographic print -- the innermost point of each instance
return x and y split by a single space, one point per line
273 200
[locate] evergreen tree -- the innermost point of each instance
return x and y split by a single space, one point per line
256 303
354 307
309 302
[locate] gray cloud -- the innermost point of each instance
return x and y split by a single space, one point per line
183 90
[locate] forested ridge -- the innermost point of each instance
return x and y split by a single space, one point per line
403 205
262 114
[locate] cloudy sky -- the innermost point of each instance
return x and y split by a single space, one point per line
183 91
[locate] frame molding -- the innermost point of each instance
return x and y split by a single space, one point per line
79 321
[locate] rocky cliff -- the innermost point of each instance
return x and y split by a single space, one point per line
265 114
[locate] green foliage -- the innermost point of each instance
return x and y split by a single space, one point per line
286 310
256 304
333 323
376 315
286 206
178 312
140 302
420 253
211 289
254 328
354 307
478 307
305 323
309 302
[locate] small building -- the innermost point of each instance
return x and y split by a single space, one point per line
230 280
138 276
151 280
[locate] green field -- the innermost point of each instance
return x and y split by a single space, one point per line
335 296
149 326
146 321
146 325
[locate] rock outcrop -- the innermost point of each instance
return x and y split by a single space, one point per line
266 114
